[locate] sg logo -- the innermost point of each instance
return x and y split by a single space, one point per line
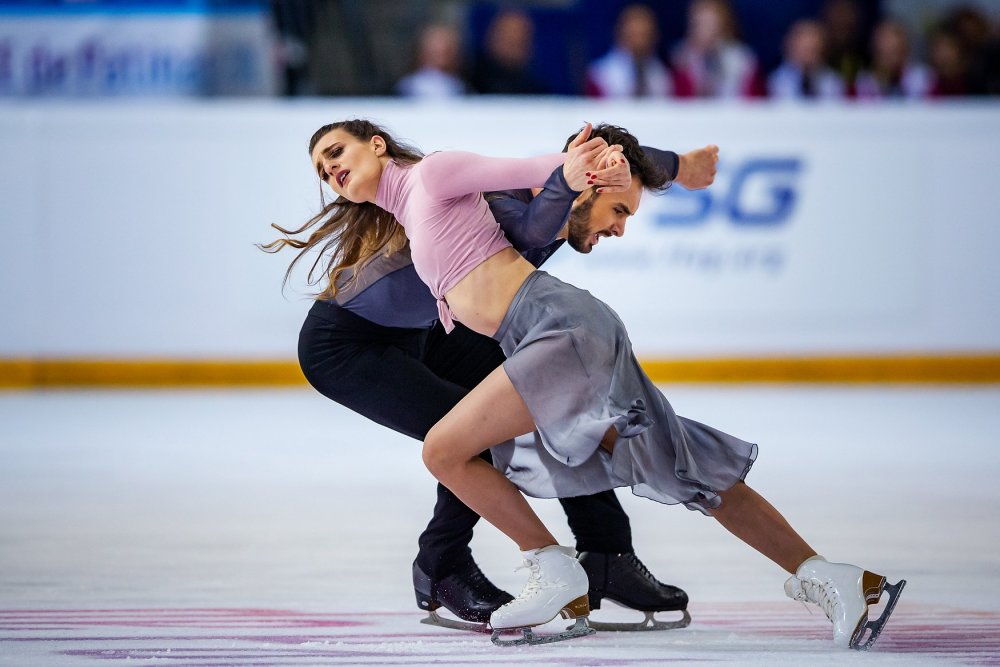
762 193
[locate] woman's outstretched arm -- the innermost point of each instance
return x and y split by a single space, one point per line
452 174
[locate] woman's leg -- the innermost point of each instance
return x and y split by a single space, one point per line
843 591
746 514
491 413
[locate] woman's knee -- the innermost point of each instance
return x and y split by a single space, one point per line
438 456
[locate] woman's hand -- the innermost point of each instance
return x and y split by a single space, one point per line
583 157
613 173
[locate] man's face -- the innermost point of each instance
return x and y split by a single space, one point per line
596 215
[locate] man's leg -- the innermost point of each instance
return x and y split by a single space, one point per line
604 540
378 373
445 542
462 359
599 523
444 572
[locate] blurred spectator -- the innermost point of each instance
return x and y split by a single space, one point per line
893 73
845 39
503 66
631 68
979 43
949 63
709 61
803 73
439 61
294 21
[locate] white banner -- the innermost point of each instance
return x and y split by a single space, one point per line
850 229
789 239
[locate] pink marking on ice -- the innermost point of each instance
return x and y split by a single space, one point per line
960 636
50 619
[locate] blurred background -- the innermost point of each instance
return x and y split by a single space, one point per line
857 49
851 233
866 49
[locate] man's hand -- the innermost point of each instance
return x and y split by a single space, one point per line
696 169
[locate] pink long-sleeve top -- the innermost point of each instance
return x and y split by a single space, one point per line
439 203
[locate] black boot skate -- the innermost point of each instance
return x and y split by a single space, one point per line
625 580
465 592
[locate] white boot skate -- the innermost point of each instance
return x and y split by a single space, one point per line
557 586
844 592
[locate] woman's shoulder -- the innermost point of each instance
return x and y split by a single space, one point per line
439 170
435 158
427 164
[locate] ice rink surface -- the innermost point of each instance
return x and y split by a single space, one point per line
204 528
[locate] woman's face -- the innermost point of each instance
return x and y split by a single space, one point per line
351 167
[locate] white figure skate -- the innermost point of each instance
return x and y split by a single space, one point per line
556 586
844 592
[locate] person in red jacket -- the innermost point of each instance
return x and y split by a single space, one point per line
710 61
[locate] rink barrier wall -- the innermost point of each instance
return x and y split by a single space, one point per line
68 373
831 232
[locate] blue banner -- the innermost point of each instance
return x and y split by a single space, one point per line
78 7
124 48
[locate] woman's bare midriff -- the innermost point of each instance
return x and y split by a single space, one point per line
481 299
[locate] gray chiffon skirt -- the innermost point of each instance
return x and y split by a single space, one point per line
570 359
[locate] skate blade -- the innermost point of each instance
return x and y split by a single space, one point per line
893 591
433 618
578 629
648 624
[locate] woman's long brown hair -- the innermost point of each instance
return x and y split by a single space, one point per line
348 234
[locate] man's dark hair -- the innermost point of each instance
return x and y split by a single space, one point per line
652 177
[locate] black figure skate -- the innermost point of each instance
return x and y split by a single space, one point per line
466 592
625 580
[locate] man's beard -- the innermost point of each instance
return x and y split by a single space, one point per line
578 235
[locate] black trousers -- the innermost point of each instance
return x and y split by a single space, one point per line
407 380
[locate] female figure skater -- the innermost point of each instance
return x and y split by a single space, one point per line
376 347
570 374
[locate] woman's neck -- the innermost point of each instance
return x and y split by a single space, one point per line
373 195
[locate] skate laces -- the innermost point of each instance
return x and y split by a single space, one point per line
643 570
475 580
817 592
534 583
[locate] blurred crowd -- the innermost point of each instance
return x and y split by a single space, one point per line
819 49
